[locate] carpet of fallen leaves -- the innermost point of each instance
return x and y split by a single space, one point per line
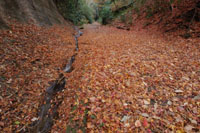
125 81
30 57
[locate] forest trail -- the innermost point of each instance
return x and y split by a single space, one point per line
124 81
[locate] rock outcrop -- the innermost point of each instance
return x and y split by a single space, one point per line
40 12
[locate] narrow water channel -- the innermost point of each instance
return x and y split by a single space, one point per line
48 110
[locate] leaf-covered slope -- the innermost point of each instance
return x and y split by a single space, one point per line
30 57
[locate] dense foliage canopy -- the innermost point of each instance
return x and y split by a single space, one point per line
77 11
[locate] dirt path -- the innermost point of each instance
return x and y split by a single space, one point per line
129 82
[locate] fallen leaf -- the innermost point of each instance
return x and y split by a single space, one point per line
125 118
138 123
145 123
89 125
146 102
178 91
17 122
188 128
92 99
144 114
1 123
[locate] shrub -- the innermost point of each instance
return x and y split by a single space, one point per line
76 11
154 6
106 14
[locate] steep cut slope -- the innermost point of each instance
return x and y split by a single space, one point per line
40 12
